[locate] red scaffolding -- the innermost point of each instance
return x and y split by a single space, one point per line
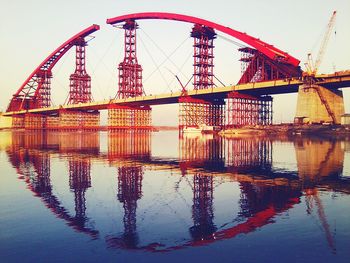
130 72
80 81
244 110
44 89
203 75
129 85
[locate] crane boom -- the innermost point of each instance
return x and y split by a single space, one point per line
324 43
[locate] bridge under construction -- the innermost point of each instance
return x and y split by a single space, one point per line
266 71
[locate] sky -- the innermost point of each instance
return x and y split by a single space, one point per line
31 30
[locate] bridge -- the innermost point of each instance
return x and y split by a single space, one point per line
266 70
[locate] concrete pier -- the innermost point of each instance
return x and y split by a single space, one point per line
317 104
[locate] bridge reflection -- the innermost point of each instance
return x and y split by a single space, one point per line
30 155
266 190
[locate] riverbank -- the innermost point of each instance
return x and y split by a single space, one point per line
289 129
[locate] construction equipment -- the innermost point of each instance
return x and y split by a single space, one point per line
311 68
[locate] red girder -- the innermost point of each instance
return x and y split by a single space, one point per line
28 90
265 48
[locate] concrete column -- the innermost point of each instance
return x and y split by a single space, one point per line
312 108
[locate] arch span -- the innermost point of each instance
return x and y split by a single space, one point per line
265 48
27 93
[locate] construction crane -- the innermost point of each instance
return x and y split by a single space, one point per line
311 68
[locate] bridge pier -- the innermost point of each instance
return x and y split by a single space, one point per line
125 117
18 121
194 113
243 110
33 121
78 120
64 120
317 104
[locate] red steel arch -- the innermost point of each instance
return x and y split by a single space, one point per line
25 96
265 48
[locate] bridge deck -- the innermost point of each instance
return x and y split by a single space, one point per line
333 81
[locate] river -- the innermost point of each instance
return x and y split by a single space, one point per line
137 196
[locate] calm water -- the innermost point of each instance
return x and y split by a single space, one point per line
141 197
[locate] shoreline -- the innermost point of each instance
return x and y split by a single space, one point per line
289 130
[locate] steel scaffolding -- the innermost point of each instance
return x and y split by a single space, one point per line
203 45
80 81
34 121
196 113
130 72
124 117
244 110
77 120
44 89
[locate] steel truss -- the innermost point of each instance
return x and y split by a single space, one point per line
255 67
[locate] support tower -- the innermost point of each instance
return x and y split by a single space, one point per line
80 81
195 113
129 86
203 55
130 72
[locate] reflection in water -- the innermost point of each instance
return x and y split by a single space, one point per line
318 159
129 191
137 145
31 151
202 209
249 154
201 151
123 144
79 182
203 161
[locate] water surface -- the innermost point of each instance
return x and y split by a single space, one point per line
160 197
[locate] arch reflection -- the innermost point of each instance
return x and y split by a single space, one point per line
264 191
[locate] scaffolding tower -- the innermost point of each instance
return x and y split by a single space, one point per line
246 110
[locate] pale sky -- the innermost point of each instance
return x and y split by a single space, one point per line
31 30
